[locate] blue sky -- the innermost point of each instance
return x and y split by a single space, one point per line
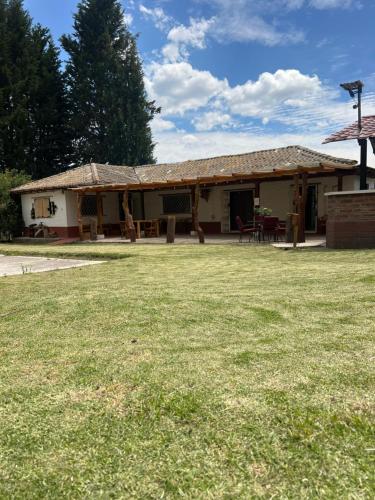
237 75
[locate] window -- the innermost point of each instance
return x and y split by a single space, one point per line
176 203
42 208
89 206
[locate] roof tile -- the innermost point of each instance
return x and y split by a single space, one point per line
257 162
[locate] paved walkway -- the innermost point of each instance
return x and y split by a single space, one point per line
218 239
11 265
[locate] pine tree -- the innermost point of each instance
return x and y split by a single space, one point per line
16 73
51 147
110 113
33 130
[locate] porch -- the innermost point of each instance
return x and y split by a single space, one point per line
311 241
212 209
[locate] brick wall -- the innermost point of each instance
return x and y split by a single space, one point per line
351 219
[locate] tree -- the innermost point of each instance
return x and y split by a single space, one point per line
51 146
10 211
109 110
33 131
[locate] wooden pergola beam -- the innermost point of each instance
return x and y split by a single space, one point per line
210 180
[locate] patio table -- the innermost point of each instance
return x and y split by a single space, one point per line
139 222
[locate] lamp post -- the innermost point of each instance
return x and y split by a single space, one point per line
355 89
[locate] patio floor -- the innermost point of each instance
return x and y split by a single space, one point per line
218 239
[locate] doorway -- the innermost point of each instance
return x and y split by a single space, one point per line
311 210
241 204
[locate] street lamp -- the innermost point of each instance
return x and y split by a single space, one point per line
355 89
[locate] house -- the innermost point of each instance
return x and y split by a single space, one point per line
228 186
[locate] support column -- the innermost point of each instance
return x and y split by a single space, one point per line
363 165
195 213
99 212
79 214
299 203
302 212
130 229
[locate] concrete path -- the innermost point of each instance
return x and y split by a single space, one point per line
315 243
11 264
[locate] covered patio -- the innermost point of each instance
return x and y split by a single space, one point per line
138 222
199 198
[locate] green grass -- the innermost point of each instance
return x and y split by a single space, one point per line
189 371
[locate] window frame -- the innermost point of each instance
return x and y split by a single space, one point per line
38 215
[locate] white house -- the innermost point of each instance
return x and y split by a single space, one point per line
229 186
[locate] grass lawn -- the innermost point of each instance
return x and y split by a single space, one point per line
197 371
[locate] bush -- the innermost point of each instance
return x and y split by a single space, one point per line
11 221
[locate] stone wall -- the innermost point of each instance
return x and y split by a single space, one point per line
351 219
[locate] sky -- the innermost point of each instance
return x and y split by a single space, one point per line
234 76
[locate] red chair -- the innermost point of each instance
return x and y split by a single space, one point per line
272 228
245 229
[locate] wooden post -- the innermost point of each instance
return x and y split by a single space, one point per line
129 224
302 210
99 212
171 228
299 203
79 215
195 214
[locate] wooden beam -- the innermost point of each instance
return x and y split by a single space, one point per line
129 224
216 179
195 213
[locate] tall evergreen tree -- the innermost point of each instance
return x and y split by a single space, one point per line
33 135
110 113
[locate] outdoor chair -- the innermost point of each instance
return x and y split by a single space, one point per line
272 228
251 231
150 229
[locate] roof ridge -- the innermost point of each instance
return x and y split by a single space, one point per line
234 155
94 173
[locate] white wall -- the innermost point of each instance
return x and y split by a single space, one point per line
277 195
110 208
57 220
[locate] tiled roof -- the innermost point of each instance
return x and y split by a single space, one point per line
351 132
258 162
87 175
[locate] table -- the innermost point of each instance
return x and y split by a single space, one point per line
154 223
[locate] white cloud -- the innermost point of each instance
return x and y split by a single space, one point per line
210 120
178 87
157 15
246 20
263 97
128 18
332 4
182 37
159 124
238 27
179 146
